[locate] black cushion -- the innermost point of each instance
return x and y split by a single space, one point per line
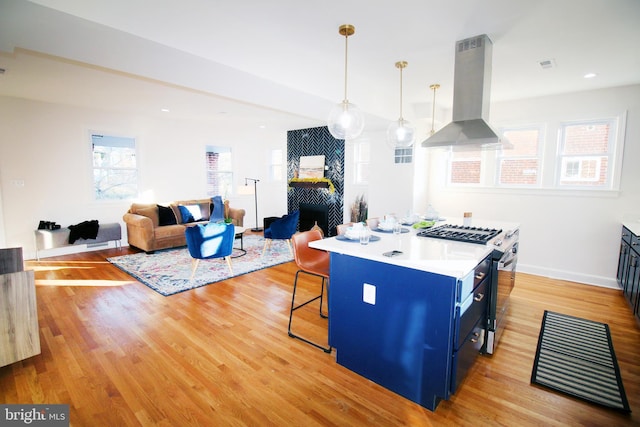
166 216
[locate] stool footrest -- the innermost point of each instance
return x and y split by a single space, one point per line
294 307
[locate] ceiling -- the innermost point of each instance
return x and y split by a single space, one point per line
280 63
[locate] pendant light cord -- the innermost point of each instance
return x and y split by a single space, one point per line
433 113
346 50
401 92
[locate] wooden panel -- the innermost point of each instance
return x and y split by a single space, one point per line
11 260
19 336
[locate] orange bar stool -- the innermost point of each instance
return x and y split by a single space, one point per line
315 263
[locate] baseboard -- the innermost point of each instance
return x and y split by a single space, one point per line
587 279
71 249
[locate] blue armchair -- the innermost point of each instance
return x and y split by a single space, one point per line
212 240
281 229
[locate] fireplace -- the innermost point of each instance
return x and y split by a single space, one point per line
310 213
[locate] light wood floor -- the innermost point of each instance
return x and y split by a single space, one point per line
122 355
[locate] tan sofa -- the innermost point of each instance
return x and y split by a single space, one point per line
144 229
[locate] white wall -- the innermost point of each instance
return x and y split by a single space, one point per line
390 187
564 235
47 147
567 235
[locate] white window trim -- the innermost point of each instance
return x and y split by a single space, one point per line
550 166
357 163
282 164
539 156
614 153
450 161
580 160
90 135
221 149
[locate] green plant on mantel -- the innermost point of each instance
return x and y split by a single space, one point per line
332 189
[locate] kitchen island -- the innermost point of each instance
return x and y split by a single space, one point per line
414 322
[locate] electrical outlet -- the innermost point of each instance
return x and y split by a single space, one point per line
369 294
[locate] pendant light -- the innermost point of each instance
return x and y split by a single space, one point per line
433 87
400 134
346 120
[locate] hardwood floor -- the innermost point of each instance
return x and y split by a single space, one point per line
123 355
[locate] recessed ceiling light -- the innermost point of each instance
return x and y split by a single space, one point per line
262 126
547 63
164 110
589 75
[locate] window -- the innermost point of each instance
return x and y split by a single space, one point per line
585 153
219 173
520 165
465 167
403 155
277 165
115 173
362 158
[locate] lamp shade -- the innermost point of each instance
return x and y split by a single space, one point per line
400 134
346 121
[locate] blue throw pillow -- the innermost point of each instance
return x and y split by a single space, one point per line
185 214
217 209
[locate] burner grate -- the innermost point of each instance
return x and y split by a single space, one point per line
460 233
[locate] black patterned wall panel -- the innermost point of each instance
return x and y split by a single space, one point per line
316 142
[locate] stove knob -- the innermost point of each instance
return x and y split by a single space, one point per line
498 242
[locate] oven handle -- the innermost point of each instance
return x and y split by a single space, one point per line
506 262
502 265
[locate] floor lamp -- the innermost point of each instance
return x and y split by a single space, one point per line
255 195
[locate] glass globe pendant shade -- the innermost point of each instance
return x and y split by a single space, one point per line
400 134
346 121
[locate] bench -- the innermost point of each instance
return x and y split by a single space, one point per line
51 239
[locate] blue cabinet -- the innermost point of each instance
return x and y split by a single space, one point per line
408 330
628 275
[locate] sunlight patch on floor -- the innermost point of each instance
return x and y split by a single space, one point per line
92 283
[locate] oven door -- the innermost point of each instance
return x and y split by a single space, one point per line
503 280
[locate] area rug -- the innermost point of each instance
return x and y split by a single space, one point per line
168 271
575 356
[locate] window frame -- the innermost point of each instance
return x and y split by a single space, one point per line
539 156
403 155
273 165
93 135
449 169
361 162
549 152
228 190
613 144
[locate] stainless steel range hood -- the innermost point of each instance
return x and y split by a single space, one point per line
471 86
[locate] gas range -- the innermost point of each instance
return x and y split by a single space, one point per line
461 233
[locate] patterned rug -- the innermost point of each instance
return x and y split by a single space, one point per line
168 271
575 356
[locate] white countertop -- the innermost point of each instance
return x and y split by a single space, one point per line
633 226
449 258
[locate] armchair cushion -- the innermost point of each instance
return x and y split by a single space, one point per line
211 240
